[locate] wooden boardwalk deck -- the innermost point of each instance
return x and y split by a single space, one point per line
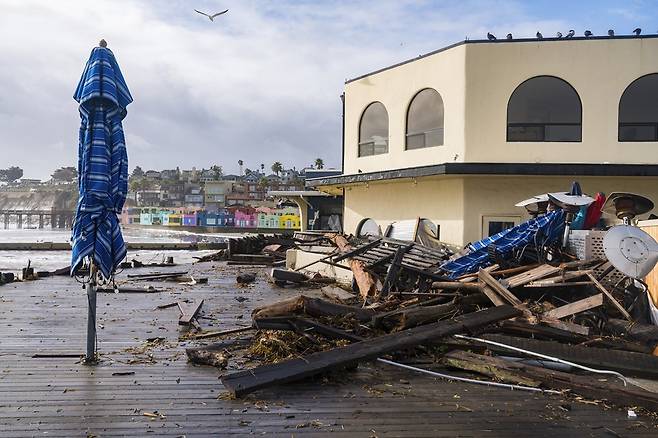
61 397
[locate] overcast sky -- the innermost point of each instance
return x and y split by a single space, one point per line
261 83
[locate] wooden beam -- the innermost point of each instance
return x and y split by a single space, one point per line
394 269
626 362
491 294
587 386
537 273
575 307
608 295
245 382
501 290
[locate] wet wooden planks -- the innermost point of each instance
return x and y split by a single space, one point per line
59 397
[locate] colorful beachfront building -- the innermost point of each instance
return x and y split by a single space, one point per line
240 217
246 217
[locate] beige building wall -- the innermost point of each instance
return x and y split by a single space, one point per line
599 70
462 205
495 196
476 81
437 198
395 88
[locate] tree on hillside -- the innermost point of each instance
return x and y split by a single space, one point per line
65 174
137 172
319 163
11 174
217 171
277 167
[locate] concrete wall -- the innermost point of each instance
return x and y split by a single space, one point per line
438 199
395 89
599 70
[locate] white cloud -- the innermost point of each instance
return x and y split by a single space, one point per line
261 83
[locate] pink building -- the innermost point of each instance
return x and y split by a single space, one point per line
246 217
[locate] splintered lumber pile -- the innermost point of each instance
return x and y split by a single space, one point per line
248 381
518 373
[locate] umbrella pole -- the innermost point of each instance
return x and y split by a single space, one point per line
90 358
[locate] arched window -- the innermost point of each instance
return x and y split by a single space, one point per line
638 110
544 108
425 120
373 130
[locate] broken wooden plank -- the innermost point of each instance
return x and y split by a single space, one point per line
537 273
245 382
626 362
295 323
491 294
364 279
551 284
215 334
456 285
588 386
338 294
608 295
311 306
188 313
501 290
565 276
394 270
575 307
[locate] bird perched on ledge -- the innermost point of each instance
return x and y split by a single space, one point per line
588 33
637 31
539 36
571 34
558 35
491 37
509 36
611 33
213 16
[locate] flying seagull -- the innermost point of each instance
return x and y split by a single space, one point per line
611 32
637 31
509 36
211 17
571 33
491 37
559 34
588 33
539 36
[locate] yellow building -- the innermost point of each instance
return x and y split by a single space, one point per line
459 135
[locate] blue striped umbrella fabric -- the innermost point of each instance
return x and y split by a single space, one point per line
540 231
102 164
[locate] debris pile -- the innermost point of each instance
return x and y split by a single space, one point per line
519 307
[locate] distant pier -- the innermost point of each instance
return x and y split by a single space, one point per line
57 219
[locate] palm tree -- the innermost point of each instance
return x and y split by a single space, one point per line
240 163
319 163
277 167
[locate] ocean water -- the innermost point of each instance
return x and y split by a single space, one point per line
13 261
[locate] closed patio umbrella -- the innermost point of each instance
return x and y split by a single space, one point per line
102 175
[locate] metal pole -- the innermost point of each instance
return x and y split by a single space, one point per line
91 315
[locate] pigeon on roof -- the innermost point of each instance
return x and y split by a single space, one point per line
539 36
509 36
491 37
558 35
611 32
637 31
571 33
588 33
